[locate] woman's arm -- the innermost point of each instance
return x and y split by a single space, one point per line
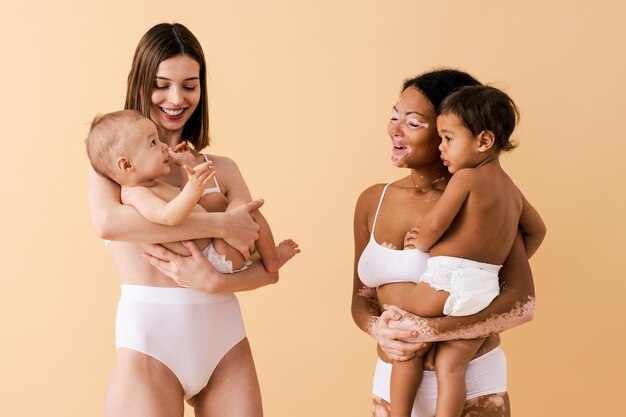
365 307
514 306
196 272
115 221
234 186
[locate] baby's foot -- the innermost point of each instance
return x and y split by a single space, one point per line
285 250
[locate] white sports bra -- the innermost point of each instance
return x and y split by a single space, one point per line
379 265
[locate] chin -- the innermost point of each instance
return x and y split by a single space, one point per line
398 163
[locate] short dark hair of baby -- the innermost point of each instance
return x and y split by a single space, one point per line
482 108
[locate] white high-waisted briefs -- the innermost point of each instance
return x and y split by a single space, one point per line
187 330
485 375
472 285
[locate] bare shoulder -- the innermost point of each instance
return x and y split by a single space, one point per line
222 163
129 193
464 178
370 196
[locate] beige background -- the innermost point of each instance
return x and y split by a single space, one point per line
300 96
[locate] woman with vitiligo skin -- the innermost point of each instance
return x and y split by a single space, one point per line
469 233
384 213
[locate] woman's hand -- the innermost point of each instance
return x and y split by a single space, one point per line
192 271
240 229
391 340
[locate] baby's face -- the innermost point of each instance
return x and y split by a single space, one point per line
459 147
148 155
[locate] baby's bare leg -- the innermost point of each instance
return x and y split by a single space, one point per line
450 365
217 202
406 377
273 257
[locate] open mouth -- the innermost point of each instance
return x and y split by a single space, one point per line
399 149
172 114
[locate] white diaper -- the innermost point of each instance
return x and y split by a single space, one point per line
220 263
472 285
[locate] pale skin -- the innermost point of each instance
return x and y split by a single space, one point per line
398 333
462 225
140 173
141 385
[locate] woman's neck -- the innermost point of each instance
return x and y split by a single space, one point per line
430 178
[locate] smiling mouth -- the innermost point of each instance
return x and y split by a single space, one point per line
172 112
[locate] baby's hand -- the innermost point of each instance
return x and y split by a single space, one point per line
200 176
182 155
410 240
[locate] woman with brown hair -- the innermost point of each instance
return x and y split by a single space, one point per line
176 343
384 214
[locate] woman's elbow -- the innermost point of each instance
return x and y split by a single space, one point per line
273 277
527 312
102 227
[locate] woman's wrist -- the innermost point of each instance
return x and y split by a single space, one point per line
372 322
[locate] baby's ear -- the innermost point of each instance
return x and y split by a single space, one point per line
123 165
485 140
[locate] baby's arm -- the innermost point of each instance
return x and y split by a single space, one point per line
113 220
175 211
440 217
533 228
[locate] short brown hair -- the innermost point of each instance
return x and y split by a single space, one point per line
161 42
105 142
481 108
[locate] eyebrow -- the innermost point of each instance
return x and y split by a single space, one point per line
410 112
186 79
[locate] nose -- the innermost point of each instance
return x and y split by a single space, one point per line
394 129
164 147
441 146
175 97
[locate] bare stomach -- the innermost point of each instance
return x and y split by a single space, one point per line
396 294
133 269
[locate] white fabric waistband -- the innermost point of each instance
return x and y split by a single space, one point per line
462 262
169 295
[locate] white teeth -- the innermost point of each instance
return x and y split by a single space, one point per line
172 112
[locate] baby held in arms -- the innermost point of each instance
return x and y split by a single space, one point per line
124 146
469 233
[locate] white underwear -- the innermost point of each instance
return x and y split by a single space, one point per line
187 330
472 285
220 263
485 375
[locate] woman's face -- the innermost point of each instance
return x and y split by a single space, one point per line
176 92
413 131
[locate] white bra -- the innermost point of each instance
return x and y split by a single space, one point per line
379 265
215 189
